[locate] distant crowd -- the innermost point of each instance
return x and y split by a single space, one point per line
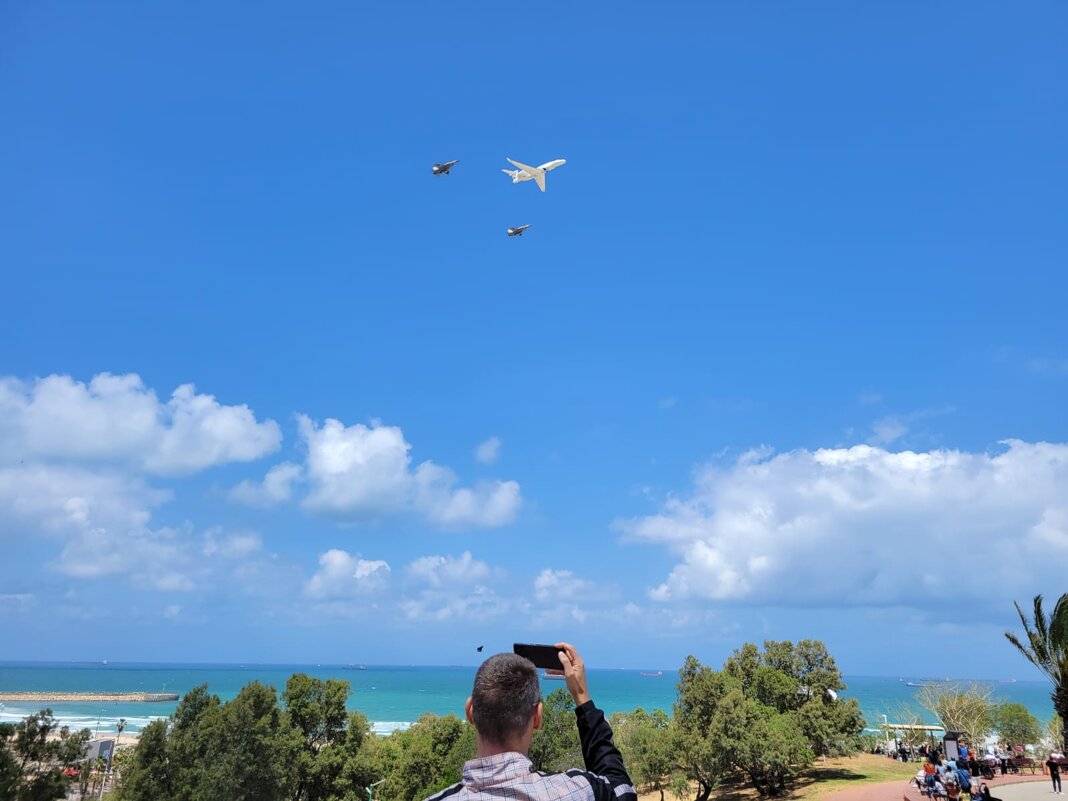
961 779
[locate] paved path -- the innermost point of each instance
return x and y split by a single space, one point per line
1021 787
1032 791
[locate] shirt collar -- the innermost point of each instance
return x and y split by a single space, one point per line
486 771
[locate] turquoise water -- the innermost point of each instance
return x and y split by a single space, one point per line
390 696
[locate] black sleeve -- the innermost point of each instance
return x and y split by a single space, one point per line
610 780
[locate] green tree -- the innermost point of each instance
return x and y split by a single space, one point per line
189 744
317 709
244 749
431 757
253 749
1045 644
646 742
10 775
701 690
555 745
832 727
766 745
149 774
802 678
376 760
765 715
33 758
1016 725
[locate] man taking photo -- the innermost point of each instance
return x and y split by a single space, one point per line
505 709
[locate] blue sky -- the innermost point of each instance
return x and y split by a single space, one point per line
783 355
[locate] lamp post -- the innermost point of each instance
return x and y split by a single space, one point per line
371 789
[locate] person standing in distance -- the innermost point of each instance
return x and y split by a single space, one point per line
505 709
1054 766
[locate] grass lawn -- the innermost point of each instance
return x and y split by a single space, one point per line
848 772
818 780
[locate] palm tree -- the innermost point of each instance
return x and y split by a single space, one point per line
1047 648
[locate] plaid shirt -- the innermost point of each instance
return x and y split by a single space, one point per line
511 776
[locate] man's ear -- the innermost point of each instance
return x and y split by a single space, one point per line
469 711
537 716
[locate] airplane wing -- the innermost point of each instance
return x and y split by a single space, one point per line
552 165
531 171
539 178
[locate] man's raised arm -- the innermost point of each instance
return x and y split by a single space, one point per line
599 752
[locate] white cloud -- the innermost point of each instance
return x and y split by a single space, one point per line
488 451
863 525
103 521
449 571
356 472
157 559
16 602
561 585
230 546
363 472
276 487
448 587
562 598
117 418
887 430
172 611
486 505
60 499
479 604
344 575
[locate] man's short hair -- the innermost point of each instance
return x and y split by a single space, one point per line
504 697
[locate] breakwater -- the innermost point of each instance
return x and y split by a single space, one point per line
89 697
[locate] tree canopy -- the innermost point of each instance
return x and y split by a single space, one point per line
765 715
1016 725
1045 645
34 753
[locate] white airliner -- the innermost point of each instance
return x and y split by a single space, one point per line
528 173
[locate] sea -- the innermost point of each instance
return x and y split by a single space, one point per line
394 696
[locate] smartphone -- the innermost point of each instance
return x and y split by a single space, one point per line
543 656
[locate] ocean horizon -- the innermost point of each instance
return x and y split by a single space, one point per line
395 696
